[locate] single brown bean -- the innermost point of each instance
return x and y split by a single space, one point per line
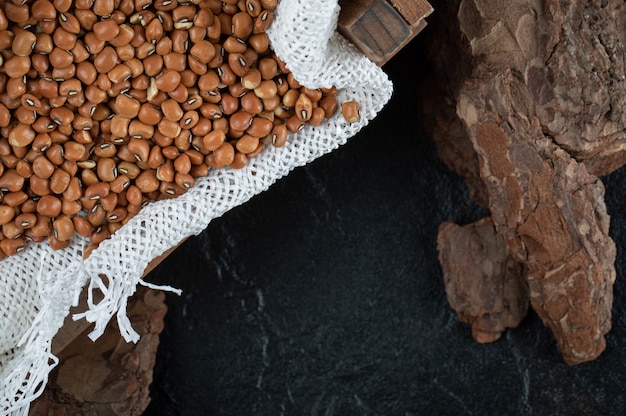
21 135
330 106
137 129
97 190
13 246
166 172
59 181
103 7
75 151
82 226
106 30
149 114
49 205
120 184
168 80
126 106
169 128
172 110
7 213
14 199
106 169
74 190
240 120
70 207
224 155
147 181
109 202
351 111
247 144
43 10
17 66
128 169
23 43
317 116
106 60
140 149
260 127
63 228
279 135
120 125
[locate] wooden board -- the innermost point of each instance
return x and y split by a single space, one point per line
381 28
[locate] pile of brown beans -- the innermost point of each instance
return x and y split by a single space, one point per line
108 104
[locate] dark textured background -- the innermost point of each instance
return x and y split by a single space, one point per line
323 296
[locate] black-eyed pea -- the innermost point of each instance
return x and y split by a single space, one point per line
59 181
304 107
109 202
7 214
120 184
11 181
260 127
70 207
13 246
128 169
49 205
351 111
224 155
147 181
13 199
82 226
106 169
166 172
63 227
184 180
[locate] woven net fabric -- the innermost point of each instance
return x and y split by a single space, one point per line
39 285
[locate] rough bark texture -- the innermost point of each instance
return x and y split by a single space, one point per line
108 377
485 286
536 105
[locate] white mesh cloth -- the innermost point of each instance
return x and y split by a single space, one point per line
38 286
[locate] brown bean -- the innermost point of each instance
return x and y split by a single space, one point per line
13 199
168 80
7 213
260 127
74 190
11 181
247 144
59 181
225 154
106 169
97 190
351 111
106 30
128 169
43 10
23 43
21 135
279 135
63 227
106 60
149 114
13 246
17 66
120 183
49 205
82 226
330 106
147 181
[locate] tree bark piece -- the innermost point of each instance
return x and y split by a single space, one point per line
484 284
534 96
108 377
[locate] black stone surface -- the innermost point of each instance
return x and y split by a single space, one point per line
323 296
